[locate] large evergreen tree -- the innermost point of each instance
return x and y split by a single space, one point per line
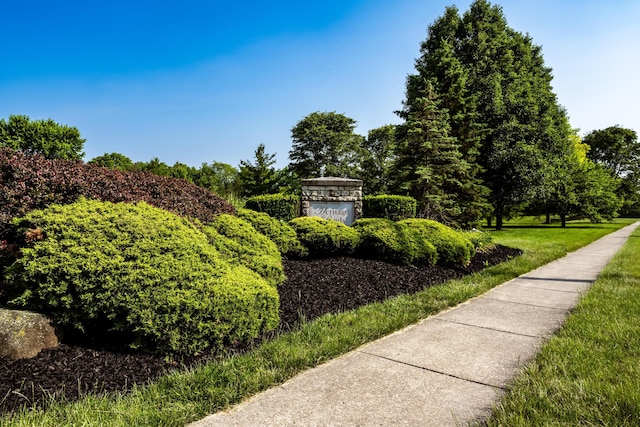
430 166
503 111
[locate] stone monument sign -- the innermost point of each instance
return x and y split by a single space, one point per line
332 198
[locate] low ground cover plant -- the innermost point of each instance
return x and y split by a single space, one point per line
325 237
241 244
279 231
143 272
388 240
451 246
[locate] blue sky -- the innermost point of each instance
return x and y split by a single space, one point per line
205 81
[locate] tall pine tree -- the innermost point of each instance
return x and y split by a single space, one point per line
429 162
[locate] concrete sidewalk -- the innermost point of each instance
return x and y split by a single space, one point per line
444 371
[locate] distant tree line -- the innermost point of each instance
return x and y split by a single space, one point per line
482 137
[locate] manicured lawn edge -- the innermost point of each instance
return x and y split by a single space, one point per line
182 397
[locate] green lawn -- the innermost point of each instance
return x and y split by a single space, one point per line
179 398
589 372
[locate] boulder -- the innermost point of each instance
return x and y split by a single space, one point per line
23 333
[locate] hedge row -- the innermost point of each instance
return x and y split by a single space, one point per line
29 182
409 241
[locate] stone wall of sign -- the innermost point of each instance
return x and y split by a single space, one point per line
332 198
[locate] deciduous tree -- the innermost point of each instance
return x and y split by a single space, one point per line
45 137
324 144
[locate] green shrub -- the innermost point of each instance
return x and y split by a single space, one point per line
241 244
325 237
387 240
280 206
281 233
481 240
452 246
390 207
138 270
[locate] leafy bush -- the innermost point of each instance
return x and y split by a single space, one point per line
138 270
452 246
325 237
29 182
241 244
387 240
481 240
390 207
281 233
280 206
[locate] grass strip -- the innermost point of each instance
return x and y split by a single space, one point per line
181 397
588 373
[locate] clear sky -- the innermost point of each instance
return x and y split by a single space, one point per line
207 80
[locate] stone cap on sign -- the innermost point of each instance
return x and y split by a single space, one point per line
333 181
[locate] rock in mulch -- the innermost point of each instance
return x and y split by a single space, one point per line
24 334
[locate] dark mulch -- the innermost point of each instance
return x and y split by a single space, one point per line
312 289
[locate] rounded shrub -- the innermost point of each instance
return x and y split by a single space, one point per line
452 246
387 240
140 271
280 206
241 244
387 206
281 233
325 237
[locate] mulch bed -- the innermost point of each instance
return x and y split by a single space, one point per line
312 288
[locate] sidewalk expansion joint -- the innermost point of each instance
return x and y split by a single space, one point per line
553 279
491 329
530 305
435 371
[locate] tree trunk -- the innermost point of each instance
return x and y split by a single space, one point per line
548 219
498 221
563 220
489 222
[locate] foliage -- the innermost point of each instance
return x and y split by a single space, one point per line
482 241
504 114
241 244
325 237
281 206
260 177
377 160
580 188
452 246
618 150
280 232
387 240
429 163
32 182
324 144
219 178
44 137
389 206
113 161
138 270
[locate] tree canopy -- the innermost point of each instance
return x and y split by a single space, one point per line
45 137
502 110
324 144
